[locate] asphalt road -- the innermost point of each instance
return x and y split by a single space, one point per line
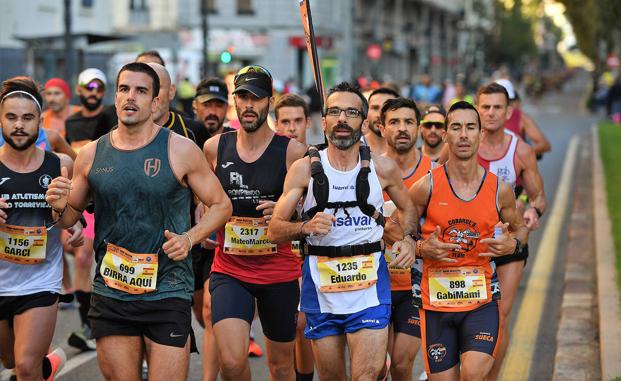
560 116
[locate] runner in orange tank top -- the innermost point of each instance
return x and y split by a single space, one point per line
399 126
469 218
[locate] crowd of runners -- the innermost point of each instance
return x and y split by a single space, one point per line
373 241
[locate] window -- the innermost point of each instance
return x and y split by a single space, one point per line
244 7
209 6
138 5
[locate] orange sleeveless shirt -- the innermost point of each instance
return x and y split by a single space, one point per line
401 279
471 281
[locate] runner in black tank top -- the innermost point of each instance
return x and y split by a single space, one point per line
144 282
30 249
251 164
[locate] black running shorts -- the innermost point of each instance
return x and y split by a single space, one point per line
404 316
166 322
202 259
277 304
15 305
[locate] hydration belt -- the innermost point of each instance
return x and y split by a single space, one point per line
342 251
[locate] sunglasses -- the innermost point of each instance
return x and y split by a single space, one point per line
94 86
252 69
430 125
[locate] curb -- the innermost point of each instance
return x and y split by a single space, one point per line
607 286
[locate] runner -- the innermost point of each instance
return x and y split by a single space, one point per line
522 124
141 301
57 97
345 283
93 120
432 132
292 120
31 254
507 156
373 136
150 56
251 164
172 120
461 204
399 125
292 117
210 108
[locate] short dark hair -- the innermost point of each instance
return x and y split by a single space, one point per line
21 83
346 87
140 67
462 105
291 100
493 88
397 103
384 90
151 53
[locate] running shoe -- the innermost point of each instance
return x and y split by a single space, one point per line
387 367
145 370
82 340
57 361
254 350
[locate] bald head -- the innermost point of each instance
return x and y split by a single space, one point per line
166 94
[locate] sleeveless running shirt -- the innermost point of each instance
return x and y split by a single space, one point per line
401 279
513 124
244 251
504 167
471 281
137 197
352 227
25 194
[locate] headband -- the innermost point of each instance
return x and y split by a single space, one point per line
22 92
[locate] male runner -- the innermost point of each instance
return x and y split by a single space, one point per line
511 159
57 97
292 117
521 124
373 136
292 120
94 119
210 105
31 268
469 216
399 125
432 131
142 189
345 283
251 164
150 56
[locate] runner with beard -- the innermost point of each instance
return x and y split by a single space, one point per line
30 249
251 164
93 120
143 287
373 137
345 283
210 105
399 125
432 132
57 97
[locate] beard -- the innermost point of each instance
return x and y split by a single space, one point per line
212 128
260 118
373 128
88 105
403 147
23 146
434 144
344 143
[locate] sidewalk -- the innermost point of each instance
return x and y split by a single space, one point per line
589 334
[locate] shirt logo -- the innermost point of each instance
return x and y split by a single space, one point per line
4 180
45 181
228 164
237 179
463 232
152 167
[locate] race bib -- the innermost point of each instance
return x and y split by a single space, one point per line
128 272
346 273
400 279
23 244
247 236
457 286
295 249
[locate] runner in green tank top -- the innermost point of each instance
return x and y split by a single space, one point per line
141 178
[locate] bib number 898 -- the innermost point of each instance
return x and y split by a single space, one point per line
457 284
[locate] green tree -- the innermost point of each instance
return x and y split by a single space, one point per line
514 40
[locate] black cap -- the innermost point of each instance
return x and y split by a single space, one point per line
212 88
255 79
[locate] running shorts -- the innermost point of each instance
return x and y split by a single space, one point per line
404 315
15 305
277 304
320 325
202 259
521 256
